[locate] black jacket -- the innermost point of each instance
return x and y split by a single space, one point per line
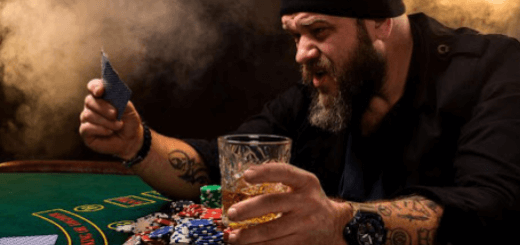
453 137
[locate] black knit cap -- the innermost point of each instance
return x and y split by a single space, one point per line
362 9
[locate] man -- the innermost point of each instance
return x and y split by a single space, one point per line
413 125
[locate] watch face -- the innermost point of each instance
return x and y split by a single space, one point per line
370 232
365 229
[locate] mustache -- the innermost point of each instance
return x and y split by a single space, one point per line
309 69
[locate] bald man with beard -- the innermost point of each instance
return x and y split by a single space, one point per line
404 132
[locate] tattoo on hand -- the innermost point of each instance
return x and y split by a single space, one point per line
191 171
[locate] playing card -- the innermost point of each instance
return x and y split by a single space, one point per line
116 91
29 240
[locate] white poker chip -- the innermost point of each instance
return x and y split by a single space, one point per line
143 224
126 228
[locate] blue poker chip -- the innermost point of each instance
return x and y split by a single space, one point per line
200 223
180 239
216 236
203 232
209 240
199 235
211 227
208 243
162 232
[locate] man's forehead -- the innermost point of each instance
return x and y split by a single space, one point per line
304 19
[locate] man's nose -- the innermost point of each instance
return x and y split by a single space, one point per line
307 51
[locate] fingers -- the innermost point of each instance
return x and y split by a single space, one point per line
87 130
101 107
91 117
280 172
290 229
96 87
273 230
264 204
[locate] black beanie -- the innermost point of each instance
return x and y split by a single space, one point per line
362 9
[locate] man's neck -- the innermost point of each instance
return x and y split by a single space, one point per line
399 54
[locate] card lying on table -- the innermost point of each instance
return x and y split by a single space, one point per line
116 91
30 240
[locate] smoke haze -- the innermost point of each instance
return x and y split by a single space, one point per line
486 16
50 49
186 60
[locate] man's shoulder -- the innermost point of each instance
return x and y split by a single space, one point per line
459 64
446 42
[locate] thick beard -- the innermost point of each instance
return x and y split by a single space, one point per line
359 81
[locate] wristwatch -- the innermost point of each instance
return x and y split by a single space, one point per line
365 228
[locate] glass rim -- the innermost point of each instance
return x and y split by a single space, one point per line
275 139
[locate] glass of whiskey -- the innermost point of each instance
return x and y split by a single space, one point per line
236 154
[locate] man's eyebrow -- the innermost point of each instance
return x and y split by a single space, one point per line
304 23
312 21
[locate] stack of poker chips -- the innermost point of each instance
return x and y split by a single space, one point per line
210 196
183 222
198 232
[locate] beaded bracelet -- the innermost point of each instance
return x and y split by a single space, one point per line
143 152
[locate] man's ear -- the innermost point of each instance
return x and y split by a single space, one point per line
383 28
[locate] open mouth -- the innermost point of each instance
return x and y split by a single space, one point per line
320 74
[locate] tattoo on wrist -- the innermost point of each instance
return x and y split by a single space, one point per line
190 171
425 237
398 237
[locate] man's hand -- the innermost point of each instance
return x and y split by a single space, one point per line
100 129
309 216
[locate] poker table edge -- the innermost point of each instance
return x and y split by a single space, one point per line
64 166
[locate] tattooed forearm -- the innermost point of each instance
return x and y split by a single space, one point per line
411 217
409 221
398 237
189 170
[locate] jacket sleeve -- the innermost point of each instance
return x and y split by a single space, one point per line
484 205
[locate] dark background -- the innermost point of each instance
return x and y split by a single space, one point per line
202 92
197 68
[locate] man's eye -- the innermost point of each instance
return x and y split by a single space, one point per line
317 31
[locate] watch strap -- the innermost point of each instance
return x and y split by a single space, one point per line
145 148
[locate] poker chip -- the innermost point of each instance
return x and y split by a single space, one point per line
164 222
181 222
180 205
126 228
212 214
179 238
211 196
208 243
196 223
144 224
162 232
133 240
192 211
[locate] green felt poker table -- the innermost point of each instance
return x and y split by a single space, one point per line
81 202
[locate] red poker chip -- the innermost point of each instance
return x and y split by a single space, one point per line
165 222
212 216
146 238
